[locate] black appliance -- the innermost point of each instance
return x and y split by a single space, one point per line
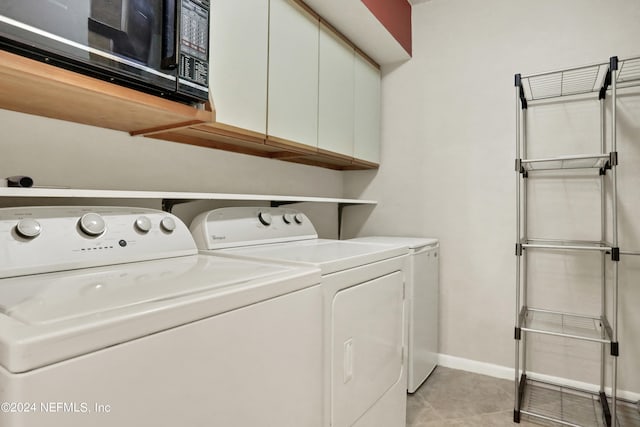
159 46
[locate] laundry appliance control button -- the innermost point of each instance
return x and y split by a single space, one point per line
299 218
143 224
265 218
287 218
28 228
92 224
168 224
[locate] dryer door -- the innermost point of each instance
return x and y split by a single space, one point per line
367 341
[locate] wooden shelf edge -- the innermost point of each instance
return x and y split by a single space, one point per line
288 145
230 138
334 155
232 131
34 87
211 142
364 164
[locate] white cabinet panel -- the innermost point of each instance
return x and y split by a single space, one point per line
239 55
367 111
336 95
293 73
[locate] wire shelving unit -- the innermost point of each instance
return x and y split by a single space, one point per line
552 403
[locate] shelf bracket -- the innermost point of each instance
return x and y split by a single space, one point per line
521 386
518 84
615 349
605 408
341 207
277 203
607 327
518 249
615 254
613 159
613 63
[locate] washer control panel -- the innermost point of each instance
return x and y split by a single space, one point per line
46 239
240 226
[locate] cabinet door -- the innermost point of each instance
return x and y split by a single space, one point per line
367 111
239 43
336 95
293 73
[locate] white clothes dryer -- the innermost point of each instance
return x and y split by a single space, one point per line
364 315
110 317
423 292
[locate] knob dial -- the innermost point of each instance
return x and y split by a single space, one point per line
28 228
143 224
287 218
265 218
298 218
168 224
92 224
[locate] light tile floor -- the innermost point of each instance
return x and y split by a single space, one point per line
457 398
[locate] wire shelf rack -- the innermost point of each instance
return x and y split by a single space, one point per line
556 405
566 245
579 80
629 70
566 82
583 161
567 325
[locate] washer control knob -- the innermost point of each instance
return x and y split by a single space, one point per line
168 224
299 218
28 228
92 224
143 224
265 218
287 218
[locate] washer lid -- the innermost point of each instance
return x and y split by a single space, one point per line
47 318
411 242
330 255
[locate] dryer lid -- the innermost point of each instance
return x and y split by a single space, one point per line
330 255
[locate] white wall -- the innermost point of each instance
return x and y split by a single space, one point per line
448 129
57 153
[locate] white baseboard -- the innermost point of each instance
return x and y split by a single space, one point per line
503 372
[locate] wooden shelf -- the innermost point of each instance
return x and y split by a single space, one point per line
183 196
33 87
229 138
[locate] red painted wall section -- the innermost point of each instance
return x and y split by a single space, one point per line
395 15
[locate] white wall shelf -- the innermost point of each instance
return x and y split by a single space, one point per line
173 196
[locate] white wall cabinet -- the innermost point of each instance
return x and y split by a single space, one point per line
293 73
277 72
239 56
367 111
336 94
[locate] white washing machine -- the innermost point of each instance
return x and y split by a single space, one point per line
110 317
423 295
364 315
